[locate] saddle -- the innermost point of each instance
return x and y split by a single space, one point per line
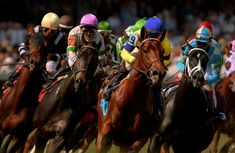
46 89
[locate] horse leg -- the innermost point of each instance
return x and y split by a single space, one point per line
104 139
137 145
155 144
30 141
5 143
215 141
89 137
56 145
40 142
165 148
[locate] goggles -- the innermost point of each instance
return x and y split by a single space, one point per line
88 30
203 37
45 30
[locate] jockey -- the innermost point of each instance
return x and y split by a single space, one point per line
110 40
50 28
66 24
83 34
232 46
230 68
134 41
154 26
123 39
204 37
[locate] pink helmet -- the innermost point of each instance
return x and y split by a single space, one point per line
232 46
89 20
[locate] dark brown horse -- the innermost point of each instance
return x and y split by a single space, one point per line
19 102
186 124
226 88
126 119
68 102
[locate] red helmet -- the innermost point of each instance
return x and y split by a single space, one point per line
206 24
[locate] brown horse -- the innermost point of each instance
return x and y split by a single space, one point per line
19 102
67 109
127 122
226 88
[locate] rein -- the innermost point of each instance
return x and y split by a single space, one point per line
77 69
144 72
79 55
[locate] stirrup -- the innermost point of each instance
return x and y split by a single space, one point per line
105 95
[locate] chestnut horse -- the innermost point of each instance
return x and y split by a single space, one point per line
226 88
127 122
70 101
186 124
19 102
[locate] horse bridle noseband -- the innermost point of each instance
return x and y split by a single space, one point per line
197 68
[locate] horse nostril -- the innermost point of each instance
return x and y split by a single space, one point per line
194 77
154 72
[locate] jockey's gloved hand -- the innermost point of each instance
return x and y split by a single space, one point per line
24 57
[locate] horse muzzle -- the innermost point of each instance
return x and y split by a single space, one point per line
155 77
197 80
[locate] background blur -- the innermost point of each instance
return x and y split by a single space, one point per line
181 18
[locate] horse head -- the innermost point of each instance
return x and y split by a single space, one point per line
149 60
36 54
196 63
86 64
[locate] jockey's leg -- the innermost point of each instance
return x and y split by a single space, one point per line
157 102
213 103
12 78
120 75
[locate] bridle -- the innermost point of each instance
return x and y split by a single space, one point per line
147 72
198 67
78 69
84 69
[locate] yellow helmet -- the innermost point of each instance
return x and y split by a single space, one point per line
50 21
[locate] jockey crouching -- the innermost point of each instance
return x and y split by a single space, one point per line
56 46
204 38
152 28
84 34
110 40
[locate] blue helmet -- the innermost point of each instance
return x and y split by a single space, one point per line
154 25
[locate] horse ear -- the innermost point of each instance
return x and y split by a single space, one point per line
143 33
162 36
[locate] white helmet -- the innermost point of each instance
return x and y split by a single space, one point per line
50 21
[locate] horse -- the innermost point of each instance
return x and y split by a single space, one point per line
66 111
19 102
186 124
226 87
125 120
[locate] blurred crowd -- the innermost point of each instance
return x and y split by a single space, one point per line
181 18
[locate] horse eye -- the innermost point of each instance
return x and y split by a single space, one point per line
145 51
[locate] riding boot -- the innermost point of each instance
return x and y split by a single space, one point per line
11 79
212 107
120 75
157 103
60 72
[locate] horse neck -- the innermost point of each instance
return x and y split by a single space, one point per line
186 87
226 91
138 79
